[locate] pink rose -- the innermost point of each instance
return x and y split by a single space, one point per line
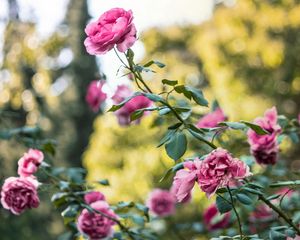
161 202
30 162
95 225
93 196
184 181
218 169
265 147
114 27
95 96
213 220
18 194
131 106
212 119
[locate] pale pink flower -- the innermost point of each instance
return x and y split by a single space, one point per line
114 27
184 181
30 162
265 148
131 106
95 225
218 169
212 119
19 194
93 196
95 95
161 203
213 220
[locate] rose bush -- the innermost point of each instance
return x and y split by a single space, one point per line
242 191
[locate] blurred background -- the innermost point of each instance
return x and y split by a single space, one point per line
245 54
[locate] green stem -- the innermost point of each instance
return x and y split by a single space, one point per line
280 213
138 78
236 213
284 216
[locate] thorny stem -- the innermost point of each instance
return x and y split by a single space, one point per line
280 213
236 213
287 219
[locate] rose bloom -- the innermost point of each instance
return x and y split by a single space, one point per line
94 95
19 194
114 27
161 203
30 162
218 169
184 181
138 102
213 220
265 147
94 225
93 197
212 119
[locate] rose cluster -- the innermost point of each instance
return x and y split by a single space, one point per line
97 224
265 148
217 170
20 193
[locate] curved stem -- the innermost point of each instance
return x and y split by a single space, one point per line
236 213
280 213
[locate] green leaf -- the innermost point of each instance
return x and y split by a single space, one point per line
136 115
171 170
104 182
244 199
233 125
153 97
130 55
167 137
71 211
176 146
58 199
285 183
121 104
275 235
164 111
169 82
274 196
157 63
251 190
256 128
198 96
222 205
175 126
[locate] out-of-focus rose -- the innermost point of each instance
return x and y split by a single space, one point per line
93 196
218 169
184 181
94 95
161 202
212 119
94 225
114 27
30 162
260 218
131 106
214 220
265 147
19 194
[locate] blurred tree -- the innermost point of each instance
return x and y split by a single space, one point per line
43 82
